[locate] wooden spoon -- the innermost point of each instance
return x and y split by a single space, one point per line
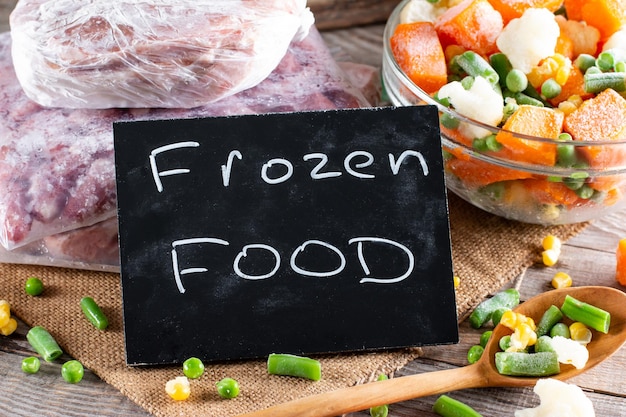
480 374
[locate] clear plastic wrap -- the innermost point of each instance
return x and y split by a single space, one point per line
92 247
149 53
57 165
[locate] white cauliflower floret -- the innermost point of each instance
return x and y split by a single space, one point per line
421 11
559 399
481 102
529 38
616 41
570 351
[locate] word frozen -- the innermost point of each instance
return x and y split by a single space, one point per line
351 165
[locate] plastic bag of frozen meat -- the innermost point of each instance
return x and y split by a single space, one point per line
92 247
57 170
149 53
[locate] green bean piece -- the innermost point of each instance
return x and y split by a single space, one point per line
516 81
484 338
584 62
501 65
227 388
523 98
560 329
193 368
550 88
443 101
43 343
527 364
474 353
33 286
550 317
31 364
449 407
596 83
495 190
476 66
467 82
606 61
72 371
590 315
585 191
293 365
482 313
593 70
94 313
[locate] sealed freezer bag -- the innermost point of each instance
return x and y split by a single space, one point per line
149 53
92 247
57 170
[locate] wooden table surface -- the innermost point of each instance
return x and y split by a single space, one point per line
589 258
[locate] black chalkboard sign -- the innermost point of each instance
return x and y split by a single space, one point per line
293 233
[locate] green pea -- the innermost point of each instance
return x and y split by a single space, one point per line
474 353
193 368
31 365
72 371
516 81
560 329
379 411
227 388
505 342
550 88
449 121
33 286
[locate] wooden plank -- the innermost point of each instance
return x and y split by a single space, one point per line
334 14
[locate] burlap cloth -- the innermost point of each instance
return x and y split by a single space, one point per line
488 252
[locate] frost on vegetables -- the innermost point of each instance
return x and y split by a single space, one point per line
553 69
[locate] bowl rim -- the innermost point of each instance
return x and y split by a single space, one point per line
390 25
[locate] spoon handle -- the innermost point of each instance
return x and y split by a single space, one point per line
361 397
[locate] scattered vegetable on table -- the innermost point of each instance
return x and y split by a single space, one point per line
72 371
94 313
43 343
294 365
193 368
7 323
33 286
227 388
178 388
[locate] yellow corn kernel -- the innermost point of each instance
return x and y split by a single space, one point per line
457 281
575 99
567 107
178 388
5 313
522 337
509 319
561 280
9 328
550 257
551 242
580 333
562 74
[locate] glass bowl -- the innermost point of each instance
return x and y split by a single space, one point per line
528 191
